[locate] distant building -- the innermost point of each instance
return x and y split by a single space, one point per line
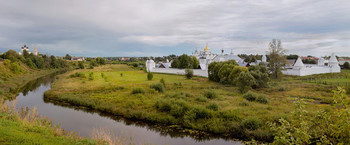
206 57
125 58
24 48
35 51
300 69
77 59
166 64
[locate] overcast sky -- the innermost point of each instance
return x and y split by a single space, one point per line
163 27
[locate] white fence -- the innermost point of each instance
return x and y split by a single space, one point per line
196 72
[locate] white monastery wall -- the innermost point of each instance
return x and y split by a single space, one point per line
196 72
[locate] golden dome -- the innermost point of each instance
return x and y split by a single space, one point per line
206 48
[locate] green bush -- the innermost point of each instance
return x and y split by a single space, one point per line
201 99
81 65
77 75
346 65
158 86
250 96
281 89
231 115
179 108
245 81
162 81
175 107
244 103
210 94
213 106
91 76
252 123
149 76
121 74
189 73
262 99
163 105
198 112
138 91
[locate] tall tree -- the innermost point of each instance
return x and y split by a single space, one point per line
277 58
195 62
68 57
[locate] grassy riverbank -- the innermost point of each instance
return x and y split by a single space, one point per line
11 82
196 104
26 127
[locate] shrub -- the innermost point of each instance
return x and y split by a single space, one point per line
81 65
149 76
245 81
91 76
198 112
163 105
346 65
175 107
152 91
244 103
252 123
138 91
210 94
179 108
201 99
77 75
189 73
231 115
262 99
281 89
213 106
158 86
162 81
250 96
121 74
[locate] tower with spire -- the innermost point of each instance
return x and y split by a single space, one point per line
35 51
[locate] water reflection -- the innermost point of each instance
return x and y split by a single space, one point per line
83 120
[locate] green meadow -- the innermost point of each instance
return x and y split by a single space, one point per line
197 103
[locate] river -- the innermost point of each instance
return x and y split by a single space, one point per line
83 121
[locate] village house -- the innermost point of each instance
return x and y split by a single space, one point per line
77 59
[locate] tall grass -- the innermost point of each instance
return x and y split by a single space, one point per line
105 136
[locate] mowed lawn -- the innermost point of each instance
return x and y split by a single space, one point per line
109 91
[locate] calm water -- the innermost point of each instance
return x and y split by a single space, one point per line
83 121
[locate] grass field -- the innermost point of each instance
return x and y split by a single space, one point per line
185 102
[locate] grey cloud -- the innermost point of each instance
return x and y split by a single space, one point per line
160 27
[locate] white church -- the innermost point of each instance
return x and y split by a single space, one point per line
301 69
26 48
205 57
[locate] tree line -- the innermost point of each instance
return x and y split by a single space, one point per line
33 61
185 61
